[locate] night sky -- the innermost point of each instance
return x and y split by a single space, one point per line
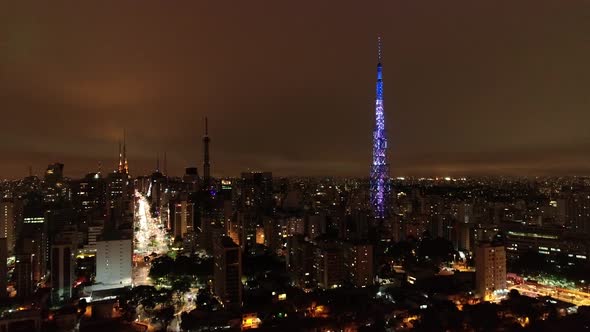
471 87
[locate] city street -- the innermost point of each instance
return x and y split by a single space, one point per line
141 271
536 290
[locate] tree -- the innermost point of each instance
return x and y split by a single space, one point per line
165 315
513 294
182 265
188 322
181 285
522 306
201 268
531 262
437 250
205 300
402 251
484 316
442 316
161 267
164 296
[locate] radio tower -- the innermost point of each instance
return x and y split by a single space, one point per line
206 165
379 168
125 163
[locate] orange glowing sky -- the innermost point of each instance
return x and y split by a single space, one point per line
471 87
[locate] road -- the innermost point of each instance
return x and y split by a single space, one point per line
141 272
151 237
150 232
566 295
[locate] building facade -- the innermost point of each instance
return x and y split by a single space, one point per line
490 269
62 272
114 262
227 272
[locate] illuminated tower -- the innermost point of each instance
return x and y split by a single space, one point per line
379 168
206 165
125 163
120 168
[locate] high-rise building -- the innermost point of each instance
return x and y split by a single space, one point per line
210 230
356 225
316 225
94 232
8 223
329 265
228 272
62 272
117 184
300 261
158 186
577 210
183 217
246 224
3 266
275 234
119 200
90 192
54 173
35 245
490 269
23 274
227 189
114 257
359 258
379 167
33 239
191 179
465 213
295 225
257 191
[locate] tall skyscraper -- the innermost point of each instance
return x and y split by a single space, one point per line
3 266
119 192
89 192
62 272
359 261
227 280
329 265
257 191
123 164
33 235
379 168
191 179
490 268
8 223
54 173
183 217
300 261
114 257
23 274
206 165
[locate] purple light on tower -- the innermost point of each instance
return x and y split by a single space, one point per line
379 168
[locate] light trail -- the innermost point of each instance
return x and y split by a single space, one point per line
150 232
566 295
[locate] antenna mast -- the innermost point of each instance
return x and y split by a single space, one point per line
379 49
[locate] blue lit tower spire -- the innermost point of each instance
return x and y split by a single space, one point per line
379 168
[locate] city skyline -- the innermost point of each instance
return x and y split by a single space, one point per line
295 166
483 89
